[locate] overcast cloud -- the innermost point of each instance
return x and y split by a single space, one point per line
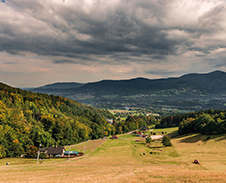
46 41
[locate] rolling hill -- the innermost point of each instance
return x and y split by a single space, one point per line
28 119
187 92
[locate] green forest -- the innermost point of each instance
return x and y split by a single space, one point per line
28 119
206 122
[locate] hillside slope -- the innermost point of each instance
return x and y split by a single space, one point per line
28 118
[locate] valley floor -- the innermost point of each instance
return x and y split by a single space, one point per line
123 160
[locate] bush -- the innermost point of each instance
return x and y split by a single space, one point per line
208 138
166 141
2 152
148 140
43 156
32 152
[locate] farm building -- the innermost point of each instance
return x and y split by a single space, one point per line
110 121
144 128
71 153
139 134
53 151
43 150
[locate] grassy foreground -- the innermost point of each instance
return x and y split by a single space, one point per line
123 160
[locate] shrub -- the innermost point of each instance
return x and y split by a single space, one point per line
32 152
208 138
2 152
148 140
166 141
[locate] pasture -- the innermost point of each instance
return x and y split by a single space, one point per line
123 160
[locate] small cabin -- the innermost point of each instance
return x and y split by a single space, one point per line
139 134
53 151
144 128
71 154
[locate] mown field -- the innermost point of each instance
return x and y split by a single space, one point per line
123 160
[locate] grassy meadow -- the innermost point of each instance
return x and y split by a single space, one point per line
123 160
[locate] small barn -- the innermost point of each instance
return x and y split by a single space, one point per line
139 134
144 128
53 151
43 150
71 154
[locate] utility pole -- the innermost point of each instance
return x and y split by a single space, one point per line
38 152
69 153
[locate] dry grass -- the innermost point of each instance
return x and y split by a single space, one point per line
87 146
165 130
211 153
118 161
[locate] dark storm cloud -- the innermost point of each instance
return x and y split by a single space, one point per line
106 29
65 27
63 61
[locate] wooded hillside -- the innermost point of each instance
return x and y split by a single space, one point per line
206 122
29 119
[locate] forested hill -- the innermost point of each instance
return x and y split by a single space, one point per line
29 119
188 92
210 83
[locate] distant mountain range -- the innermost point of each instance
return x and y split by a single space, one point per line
58 86
187 92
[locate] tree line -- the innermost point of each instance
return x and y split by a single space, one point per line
133 123
206 122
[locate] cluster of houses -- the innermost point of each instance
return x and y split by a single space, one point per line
59 152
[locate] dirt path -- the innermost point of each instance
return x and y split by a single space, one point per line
130 132
155 137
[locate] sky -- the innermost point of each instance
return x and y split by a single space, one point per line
48 41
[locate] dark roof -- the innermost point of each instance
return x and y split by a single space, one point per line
55 150
43 149
143 128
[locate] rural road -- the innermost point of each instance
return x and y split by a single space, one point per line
154 137
130 132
